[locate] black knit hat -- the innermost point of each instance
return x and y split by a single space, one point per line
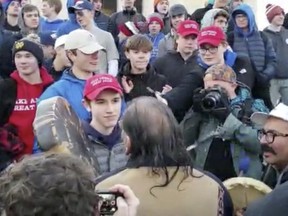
29 46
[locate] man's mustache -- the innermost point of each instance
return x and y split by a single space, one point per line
266 148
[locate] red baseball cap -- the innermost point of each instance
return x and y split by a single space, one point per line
98 83
188 27
211 35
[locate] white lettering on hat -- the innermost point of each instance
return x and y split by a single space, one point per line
209 32
79 3
101 80
287 41
190 25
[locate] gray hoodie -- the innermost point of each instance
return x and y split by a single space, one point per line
24 29
280 44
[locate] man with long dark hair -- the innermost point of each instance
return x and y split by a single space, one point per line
160 170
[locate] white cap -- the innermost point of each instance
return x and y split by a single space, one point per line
60 41
82 40
280 111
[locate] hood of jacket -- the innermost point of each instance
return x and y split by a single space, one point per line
72 16
107 140
208 19
229 57
246 9
24 29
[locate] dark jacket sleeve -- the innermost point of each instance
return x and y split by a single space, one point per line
248 78
286 21
180 98
112 26
8 94
198 15
270 58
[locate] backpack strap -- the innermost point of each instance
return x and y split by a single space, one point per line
8 95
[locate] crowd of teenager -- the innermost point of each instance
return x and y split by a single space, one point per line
168 106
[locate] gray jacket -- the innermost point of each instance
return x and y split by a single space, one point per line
109 160
166 44
280 44
201 131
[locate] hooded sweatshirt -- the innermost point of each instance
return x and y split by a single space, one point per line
254 45
69 25
25 107
71 88
50 26
209 18
280 44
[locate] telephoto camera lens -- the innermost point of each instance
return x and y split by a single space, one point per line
211 100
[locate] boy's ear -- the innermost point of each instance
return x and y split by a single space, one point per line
86 105
127 54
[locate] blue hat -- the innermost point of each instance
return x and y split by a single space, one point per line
47 39
6 4
81 5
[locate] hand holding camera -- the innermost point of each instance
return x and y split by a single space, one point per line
214 101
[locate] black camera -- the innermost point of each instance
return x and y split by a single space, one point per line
212 99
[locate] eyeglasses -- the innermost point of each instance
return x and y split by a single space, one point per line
211 50
269 135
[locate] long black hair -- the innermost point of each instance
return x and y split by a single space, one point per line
156 139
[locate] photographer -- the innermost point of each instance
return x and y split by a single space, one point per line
219 124
57 184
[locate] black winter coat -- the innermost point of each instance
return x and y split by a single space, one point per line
174 67
180 98
149 79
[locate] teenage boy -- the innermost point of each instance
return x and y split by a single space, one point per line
174 65
216 17
103 99
161 7
83 55
177 14
29 24
213 50
279 36
51 10
19 92
108 59
11 9
247 40
155 24
101 19
137 77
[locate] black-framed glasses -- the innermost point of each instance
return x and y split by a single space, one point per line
269 135
212 50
